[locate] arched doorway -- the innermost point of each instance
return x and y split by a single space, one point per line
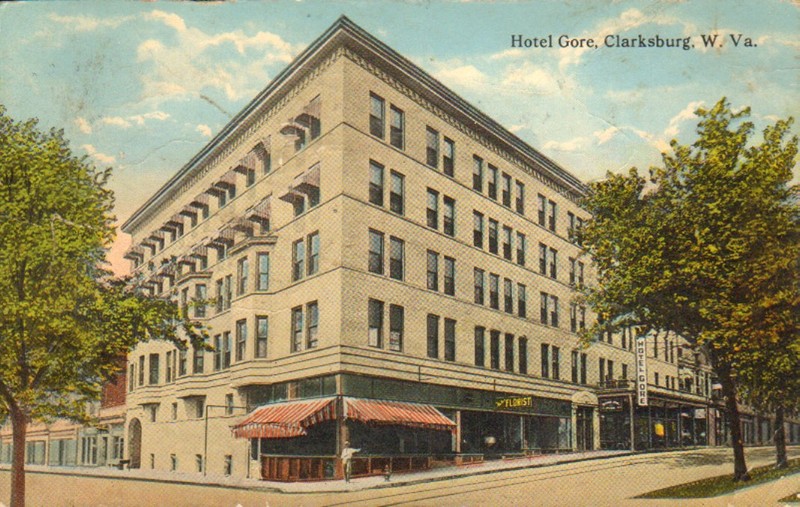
135 444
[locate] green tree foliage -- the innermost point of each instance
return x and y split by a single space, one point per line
700 247
64 322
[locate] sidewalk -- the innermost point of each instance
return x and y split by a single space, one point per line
333 486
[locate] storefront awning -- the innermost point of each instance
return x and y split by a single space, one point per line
285 420
398 413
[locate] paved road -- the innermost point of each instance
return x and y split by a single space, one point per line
607 482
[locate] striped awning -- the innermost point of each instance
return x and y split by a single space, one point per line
285 420
397 413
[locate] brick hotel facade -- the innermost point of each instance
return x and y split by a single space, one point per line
378 261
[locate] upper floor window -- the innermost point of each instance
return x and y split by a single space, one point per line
493 239
509 347
298 259
494 291
305 327
521 248
433 209
262 336
375 318
242 276
507 242
397 193
313 253
375 183
491 188
304 193
375 252
397 128
480 282
241 339
396 327
477 230
506 190
433 335
449 221
551 217
449 157
433 270
155 361
477 173
523 355
449 276
377 115
542 210
449 340
262 276
432 147
520 202
396 258
480 346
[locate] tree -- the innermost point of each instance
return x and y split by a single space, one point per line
696 248
64 322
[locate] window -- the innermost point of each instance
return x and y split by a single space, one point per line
397 128
494 291
555 354
491 189
131 377
449 340
545 360
543 259
226 349
553 263
480 277
624 372
506 190
433 270
297 328
155 361
572 271
573 317
545 302
169 368
262 277
522 300
185 302
312 310
298 259
376 115
551 218
520 202
433 209
141 370
509 349
449 221
227 293
375 252
610 375
174 417
494 349
375 183
432 147
655 380
480 353
508 296
449 157
583 368
449 276
199 408
521 247
507 242
397 193
601 370
493 240
262 336
242 275
220 289
581 318
241 339
313 253
554 311
228 404
477 229
375 317
575 366
198 358
396 258
396 327
542 215
433 336
523 355
477 173
200 296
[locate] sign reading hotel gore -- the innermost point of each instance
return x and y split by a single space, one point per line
514 402
641 371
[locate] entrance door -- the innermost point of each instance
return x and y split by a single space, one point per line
135 444
585 429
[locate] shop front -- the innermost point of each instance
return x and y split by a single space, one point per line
663 423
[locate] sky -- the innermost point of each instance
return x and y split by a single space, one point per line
143 86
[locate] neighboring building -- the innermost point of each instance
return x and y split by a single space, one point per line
378 261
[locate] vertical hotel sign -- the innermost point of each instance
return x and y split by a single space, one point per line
641 371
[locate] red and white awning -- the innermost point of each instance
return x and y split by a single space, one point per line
286 419
397 413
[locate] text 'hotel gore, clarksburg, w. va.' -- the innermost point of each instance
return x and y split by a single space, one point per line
379 262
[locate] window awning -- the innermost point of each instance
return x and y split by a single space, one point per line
285 420
397 413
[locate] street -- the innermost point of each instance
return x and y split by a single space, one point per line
604 482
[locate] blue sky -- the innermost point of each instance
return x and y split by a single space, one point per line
142 86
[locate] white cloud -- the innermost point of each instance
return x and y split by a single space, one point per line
465 76
204 129
185 66
603 136
574 144
84 126
86 23
534 79
686 114
137 119
100 157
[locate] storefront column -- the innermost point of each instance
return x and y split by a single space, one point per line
596 428
650 425
633 422
458 432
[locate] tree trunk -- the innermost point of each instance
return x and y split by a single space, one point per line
780 439
19 427
729 391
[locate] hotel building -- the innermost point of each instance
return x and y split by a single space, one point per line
380 262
